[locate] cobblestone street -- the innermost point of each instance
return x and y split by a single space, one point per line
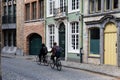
21 69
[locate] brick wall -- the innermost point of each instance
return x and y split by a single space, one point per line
20 23
30 28
26 28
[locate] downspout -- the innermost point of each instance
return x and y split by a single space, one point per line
45 21
81 32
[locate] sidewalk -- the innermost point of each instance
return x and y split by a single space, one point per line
102 69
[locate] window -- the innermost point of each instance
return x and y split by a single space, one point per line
34 10
98 5
51 35
94 40
75 35
5 8
41 5
92 6
14 13
95 5
9 18
9 10
14 9
62 5
107 4
75 4
50 7
115 4
27 6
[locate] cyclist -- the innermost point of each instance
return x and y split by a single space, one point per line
55 52
43 53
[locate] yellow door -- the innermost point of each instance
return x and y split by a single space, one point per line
110 40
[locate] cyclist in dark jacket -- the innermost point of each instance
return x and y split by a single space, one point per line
43 52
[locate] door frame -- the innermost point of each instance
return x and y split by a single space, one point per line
29 39
62 25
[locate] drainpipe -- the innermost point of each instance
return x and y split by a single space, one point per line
45 21
0 36
81 32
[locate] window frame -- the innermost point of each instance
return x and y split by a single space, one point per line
34 10
50 7
41 9
27 11
113 5
75 5
97 6
51 30
89 43
74 31
91 6
105 7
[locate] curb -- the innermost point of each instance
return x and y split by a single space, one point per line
118 77
7 56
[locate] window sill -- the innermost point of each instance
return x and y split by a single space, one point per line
93 56
36 20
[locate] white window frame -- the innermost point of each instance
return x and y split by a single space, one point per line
70 6
50 10
97 3
51 32
74 43
105 8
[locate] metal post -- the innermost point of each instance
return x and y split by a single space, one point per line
81 34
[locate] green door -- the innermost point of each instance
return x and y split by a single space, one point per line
62 38
35 44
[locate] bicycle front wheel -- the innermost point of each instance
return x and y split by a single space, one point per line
52 65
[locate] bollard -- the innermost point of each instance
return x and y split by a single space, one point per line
81 55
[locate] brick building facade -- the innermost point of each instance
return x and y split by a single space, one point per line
30 26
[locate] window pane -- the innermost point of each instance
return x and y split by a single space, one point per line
107 4
27 11
73 4
41 5
115 4
77 4
94 41
51 35
92 5
34 10
99 4
75 35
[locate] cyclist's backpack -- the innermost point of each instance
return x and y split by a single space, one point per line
58 51
45 50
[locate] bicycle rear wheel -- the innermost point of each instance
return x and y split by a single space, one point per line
37 60
59 66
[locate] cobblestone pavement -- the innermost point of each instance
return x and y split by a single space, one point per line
21 69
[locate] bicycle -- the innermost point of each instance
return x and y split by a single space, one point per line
56 63
43 60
